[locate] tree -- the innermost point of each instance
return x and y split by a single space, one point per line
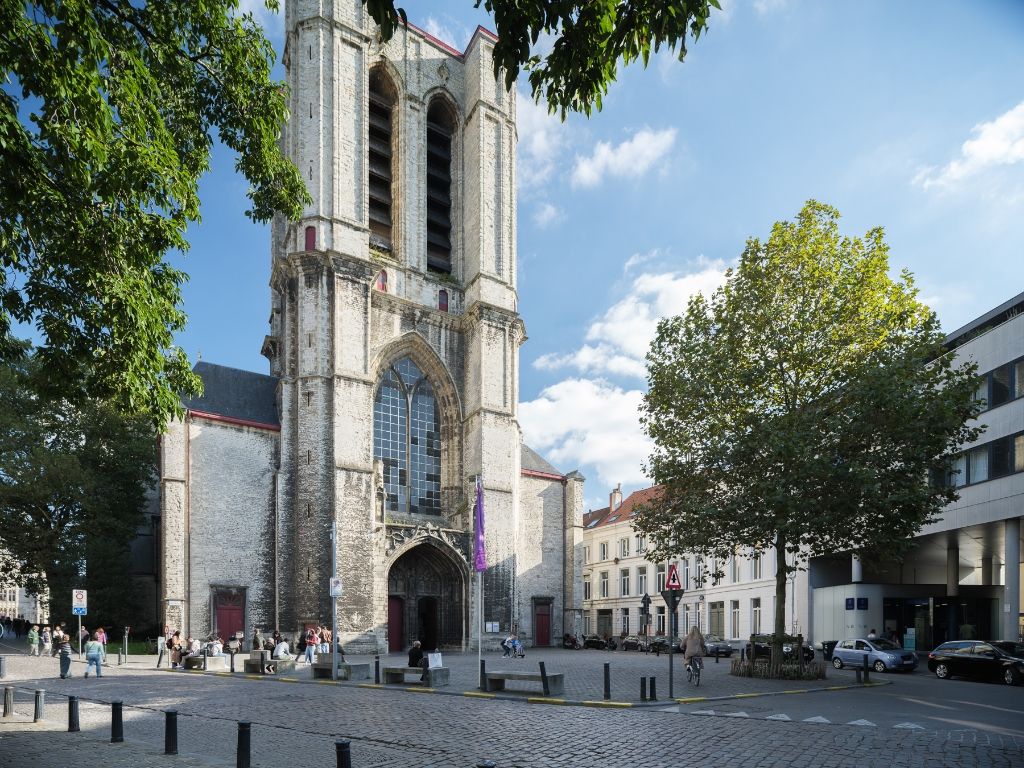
73 484
803 406
590 37
107 118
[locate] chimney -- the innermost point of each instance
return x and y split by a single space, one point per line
615 498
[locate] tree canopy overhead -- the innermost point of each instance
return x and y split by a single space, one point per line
590 38
107 117
803 406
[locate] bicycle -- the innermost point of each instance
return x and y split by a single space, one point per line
693 668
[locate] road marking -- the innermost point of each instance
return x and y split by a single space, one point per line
612 704
735 714
861 722
777 717
910 726
369 685
801 690
746 695
691 700
288 679
703 712
818 719
479 695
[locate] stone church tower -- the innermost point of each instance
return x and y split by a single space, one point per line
394 360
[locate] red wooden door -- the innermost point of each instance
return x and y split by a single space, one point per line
542 623
230 610
396 624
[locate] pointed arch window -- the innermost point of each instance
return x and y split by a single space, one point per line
440 127
407 440
381 283
380 143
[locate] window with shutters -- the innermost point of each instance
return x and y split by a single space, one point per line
380 143
440 127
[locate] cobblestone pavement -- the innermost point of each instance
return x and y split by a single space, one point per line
299 722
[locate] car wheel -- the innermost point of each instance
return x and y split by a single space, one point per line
942 671
1010 676
879 666
837 662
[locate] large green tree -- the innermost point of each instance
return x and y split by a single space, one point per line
803 406
108 112
73 484
589 39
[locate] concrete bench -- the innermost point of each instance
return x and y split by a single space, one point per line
346 670
434 678
258 666
495 681
216 663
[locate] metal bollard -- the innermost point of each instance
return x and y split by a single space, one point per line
171 732
643 689
716 655
483 675
116 722
244 745
206 656
867 668
73 726
37 715
607 681
376 670
654 694
544 680
3 667
343 749
8 701
233 662
743 654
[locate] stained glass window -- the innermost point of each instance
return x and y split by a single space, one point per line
407 439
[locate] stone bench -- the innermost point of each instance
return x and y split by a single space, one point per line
258 666
217 663
434 678
495 681
346 670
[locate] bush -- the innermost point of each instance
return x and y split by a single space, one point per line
761 668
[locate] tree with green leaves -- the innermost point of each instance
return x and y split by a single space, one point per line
803 407
590 38
73 485
107 117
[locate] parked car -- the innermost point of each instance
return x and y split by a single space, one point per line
717 646
634 643
882 655
660 644
763 649
979 659
594 641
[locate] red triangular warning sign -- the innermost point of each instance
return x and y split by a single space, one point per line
673 577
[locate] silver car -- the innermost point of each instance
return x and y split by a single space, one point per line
882 655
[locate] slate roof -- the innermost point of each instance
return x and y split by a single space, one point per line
235 394
531 460
626 511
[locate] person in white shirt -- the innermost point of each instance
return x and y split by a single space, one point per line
282 651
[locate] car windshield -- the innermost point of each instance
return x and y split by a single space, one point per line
712 638
885 645
1014 649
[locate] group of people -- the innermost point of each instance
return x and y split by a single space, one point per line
316 639
180 650
59 643
512 647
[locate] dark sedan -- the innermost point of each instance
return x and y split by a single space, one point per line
634 643
717 646
763 650
594 641
660 644
978 659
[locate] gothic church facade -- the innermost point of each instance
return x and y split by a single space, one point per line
394 366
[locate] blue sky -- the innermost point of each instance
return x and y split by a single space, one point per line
905 115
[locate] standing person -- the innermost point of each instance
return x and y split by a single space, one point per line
94 654
83 635
46 638
312 642
33 640
872 635
62 648
101 635
325 640
174 644
257 639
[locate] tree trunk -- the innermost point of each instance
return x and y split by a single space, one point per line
781 574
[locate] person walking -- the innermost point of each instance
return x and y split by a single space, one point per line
94 654
33 640
101 635
46 638
312 643
63 649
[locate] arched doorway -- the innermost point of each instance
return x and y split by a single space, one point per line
426 599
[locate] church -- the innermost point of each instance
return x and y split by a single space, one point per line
393 380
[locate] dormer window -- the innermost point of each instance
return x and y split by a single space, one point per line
440 127
380 143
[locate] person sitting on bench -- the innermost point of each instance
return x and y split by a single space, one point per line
417 659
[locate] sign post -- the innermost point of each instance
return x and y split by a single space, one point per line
645 605
672 594
335 594
80 608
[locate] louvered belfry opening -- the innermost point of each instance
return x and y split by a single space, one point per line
382 102
440 127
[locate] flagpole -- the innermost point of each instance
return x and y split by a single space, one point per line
479 564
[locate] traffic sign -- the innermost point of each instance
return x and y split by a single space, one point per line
335 586
79 599
77 611
673 581
672 598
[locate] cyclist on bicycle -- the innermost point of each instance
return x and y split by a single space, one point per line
694 647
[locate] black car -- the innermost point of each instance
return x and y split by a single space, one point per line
763 649
979 659
593 641
634 643
660 644
717 646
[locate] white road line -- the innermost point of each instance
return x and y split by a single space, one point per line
818 719
777 717
736 714
703 712
910 726
861 722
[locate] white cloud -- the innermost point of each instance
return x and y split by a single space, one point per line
541 140
435 28
617 341
577 422
546 215
633 157
272 22
637 259
999 142
764 7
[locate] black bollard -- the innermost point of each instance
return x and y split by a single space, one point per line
343 748
867 677
654 695
37 715
244 745
8 701
233 662
205 657
544 679
73 726
3 667
607 681
643 689
376 670
116 723
483 674
716 655
171 732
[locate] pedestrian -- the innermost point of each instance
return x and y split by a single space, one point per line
83 635
33 640
872 635
62 648
46 638
417 659
174 645
94 654
325 640
101 635
312 643
257 639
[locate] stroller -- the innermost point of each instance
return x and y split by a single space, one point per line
512 648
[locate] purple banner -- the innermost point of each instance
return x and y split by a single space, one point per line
480 556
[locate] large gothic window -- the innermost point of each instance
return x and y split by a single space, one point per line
407 439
